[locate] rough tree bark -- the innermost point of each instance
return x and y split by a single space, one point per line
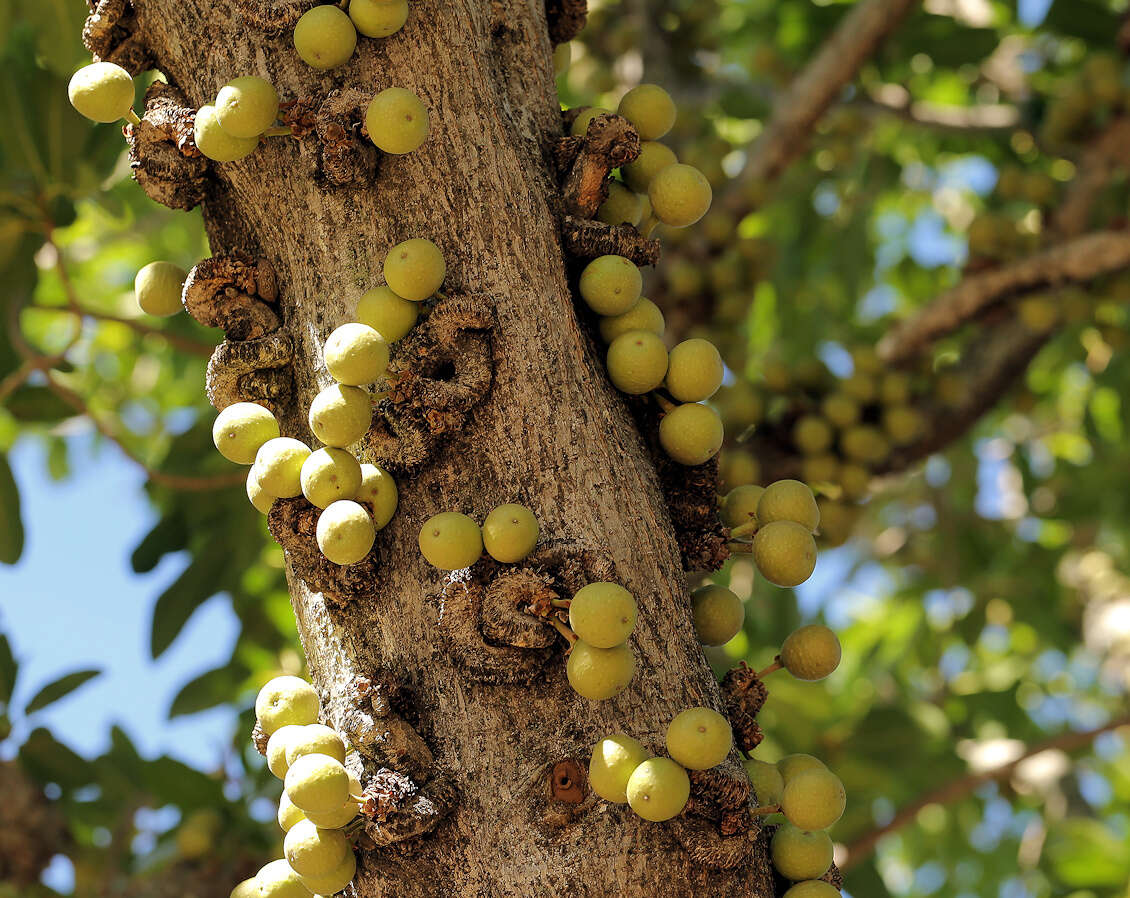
550 433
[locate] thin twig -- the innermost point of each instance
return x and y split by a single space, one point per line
173 481
1069 741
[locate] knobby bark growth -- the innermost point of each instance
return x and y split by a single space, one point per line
463 714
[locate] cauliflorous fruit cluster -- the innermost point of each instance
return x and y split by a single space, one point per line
230 128
326 36
320 798
601 664
843 429
452 541
158 287
775 525
657 788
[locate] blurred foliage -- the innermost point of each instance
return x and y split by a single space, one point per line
982 597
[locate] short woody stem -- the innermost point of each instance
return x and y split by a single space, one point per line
664 403
132 118
564 631
747 529
776 665
765 810
740 548
561 603
278 131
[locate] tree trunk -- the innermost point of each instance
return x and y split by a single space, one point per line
506 816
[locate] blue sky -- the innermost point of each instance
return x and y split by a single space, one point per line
73 602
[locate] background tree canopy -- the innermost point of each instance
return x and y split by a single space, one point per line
979 585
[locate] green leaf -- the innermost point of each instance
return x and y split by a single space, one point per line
47 760
169 534
172 782
60 688
201 580
1083 18
9 668
211 688
1086 853
37 405
11 524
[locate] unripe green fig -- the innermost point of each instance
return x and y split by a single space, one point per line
812 888
102 92
695 370
241 429
718 614
345 532
622 206
598 674
277 880
214 142
259 497
813 799
653 158
637 362
325 37
451 541
691 433
314 739
562 56
699 738
332 883
614 759
398 122
389 315
247 106
866 444
510 533
839 408
336 819
341 415
788 500
317 784
355 354
854 480
311 851
861 386
812 434
680 195
277 761
740 505
658 789
736 468
286 700
249 888
903 424
378 18
278 466
581 122
811 652
894 388
288 814
824 468
800 855
784 552
650 109
611 285
766 780
790 765
643 316
379 490
158 288
603 614
415 269
328 475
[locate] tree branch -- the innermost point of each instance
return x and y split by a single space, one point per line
173 481
983 118
853 42
1069 741
1081 259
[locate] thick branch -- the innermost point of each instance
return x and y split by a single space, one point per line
815 89
1077 260
956 789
